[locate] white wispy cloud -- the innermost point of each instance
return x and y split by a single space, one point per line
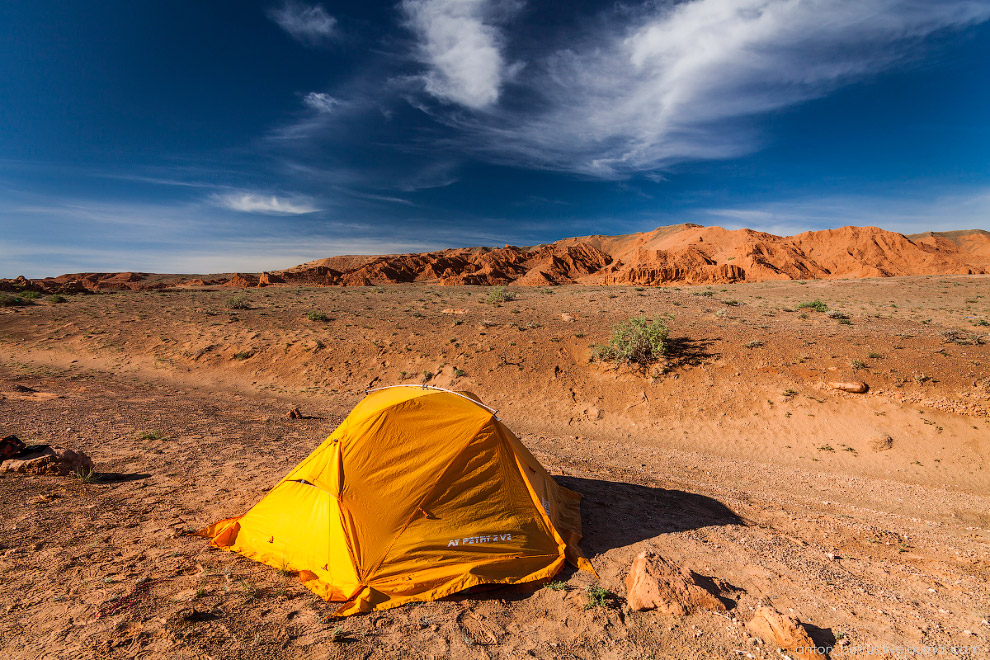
249 202
320 102
674 82
462 46
308 24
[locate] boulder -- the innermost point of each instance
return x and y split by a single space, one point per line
48 460
785 631
854 386
655 584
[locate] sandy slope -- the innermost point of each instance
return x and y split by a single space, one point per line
739 462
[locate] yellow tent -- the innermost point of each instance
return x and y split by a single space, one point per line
420 493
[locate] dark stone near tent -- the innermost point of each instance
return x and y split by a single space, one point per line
10 447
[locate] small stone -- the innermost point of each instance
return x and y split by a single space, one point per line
294 413
854 387
881 442
785 631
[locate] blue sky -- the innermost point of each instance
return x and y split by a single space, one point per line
181 136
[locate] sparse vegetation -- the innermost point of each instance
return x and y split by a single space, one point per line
638 341
598 597
240 301
317 316
557 585
252 590
7 300
753 344
30 295
815 305
242 355
57 299
86 475
499 294
152 435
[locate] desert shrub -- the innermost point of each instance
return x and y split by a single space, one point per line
86 475
636 341
30 295
242 355
7 300
317 316
836 314
499 294
57 298
816 305
239 301
598 597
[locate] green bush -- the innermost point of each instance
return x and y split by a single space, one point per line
30 295
239 301
598 597
57 298
816 305
317 316
499 294
636 341
7 300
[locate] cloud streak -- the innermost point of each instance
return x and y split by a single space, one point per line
461 46
321 102
678 82
248 202
309 25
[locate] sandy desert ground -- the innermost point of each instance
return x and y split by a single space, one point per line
867 516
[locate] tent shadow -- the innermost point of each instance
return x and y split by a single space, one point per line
617 514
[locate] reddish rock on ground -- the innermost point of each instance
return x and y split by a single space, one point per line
854 386
49 460
784 631
655 584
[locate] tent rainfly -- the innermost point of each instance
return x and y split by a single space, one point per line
420 493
